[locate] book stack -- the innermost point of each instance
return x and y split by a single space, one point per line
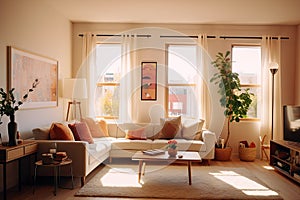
154 152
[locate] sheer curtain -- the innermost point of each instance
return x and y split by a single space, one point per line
128 62
202 65
87 70
271 53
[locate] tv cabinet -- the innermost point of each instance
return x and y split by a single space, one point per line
285 158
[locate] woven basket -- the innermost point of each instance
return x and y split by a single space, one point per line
247 154
223 154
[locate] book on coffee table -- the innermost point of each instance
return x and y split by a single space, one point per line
154 152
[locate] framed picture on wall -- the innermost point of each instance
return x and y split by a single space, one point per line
23 68
149 81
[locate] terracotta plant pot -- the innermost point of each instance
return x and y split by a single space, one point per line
223 154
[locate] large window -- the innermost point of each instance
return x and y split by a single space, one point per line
108 65
182 81
246 61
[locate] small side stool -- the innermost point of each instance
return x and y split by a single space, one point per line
263 147
56 166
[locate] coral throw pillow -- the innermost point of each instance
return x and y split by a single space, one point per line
81 132
95 129
170 129
59 131
138 134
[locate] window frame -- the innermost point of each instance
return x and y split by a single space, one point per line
168 85
111 84
247 85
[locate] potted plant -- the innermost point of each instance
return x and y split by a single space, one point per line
8 106
172 148
235 101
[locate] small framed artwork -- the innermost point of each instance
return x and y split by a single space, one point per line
149 81
23 68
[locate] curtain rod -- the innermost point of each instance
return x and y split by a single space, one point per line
252 37
190 36
185 36
118 35
222 37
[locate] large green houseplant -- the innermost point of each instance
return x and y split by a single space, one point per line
235 101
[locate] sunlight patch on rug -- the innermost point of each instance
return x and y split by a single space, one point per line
246 185
120 177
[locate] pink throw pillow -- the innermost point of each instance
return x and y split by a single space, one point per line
137 134
81 132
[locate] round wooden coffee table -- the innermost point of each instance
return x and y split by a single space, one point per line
56 166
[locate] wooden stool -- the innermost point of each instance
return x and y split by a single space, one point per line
263 147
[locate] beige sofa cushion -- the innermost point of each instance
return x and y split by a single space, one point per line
41 133
182 144
122 143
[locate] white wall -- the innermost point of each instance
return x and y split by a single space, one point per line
240 131
30 25
35 28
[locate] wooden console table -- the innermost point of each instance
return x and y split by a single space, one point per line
11 153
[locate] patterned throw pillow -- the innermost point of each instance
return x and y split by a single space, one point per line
81 132
170 129
58 131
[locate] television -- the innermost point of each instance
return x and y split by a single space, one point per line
291 123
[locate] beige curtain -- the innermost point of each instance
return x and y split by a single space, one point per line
270 54
128 63
203 64
87 70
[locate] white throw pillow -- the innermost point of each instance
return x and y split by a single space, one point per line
190 128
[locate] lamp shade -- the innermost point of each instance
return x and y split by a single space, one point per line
273 66
75 88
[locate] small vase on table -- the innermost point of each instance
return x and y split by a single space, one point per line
172 148
12 128
172 152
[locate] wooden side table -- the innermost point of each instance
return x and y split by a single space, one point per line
56 166
11 153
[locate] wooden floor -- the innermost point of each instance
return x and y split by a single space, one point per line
288 189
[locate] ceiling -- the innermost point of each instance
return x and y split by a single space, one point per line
248 12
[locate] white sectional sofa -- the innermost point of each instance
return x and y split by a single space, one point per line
86 157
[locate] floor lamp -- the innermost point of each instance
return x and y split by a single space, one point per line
74 89
273 69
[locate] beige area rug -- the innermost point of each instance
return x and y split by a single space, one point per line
171 182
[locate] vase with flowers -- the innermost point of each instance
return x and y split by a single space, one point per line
8 106
172 148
